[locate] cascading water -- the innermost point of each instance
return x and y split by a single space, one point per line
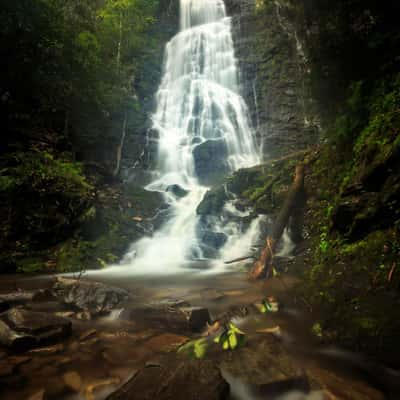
203 128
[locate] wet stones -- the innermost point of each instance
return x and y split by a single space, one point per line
197 317
211 242
213 202
210 161
177 191
23 329
178 380
91 297
172 319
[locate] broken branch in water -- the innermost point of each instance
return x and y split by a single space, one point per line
239 259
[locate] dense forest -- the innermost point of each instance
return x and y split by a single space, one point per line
81 140
68 94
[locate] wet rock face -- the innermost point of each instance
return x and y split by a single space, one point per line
210 161
272 72
22 329
371 202
176 380
177 191
92 297
213 202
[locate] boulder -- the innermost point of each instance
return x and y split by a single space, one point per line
211 242
176 380
13 340
23 329
182 320
213 202
212 239
177 191
198 317
210 161
41 325
91 297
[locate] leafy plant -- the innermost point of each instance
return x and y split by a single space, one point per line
195 349
232 338
268 305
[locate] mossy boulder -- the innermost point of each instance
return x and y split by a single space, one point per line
213 201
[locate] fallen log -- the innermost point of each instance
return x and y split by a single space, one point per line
291 206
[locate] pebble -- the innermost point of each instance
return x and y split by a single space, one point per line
72 380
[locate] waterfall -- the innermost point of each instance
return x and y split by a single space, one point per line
204 131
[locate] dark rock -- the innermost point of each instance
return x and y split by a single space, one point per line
43 326
176 380
210 161
215 240
198 317
92 297
170 319
272 66
22 329
42 295
4 305
177 191
16 298
14 340
213 202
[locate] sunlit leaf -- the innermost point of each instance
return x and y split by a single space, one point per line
200 348
233 342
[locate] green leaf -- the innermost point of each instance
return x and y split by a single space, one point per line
235 329
225 345
200 348
233 342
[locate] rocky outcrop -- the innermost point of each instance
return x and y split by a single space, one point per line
92 297
140 145
273 71
370 202
210 161
22 329
177 191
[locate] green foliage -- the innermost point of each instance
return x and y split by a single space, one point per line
316 330
232 338
41 171
268 306
195 349
71 61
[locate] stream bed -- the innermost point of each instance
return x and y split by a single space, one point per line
280 360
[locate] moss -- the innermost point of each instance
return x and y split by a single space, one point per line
265 186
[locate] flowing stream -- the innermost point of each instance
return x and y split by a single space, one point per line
204 131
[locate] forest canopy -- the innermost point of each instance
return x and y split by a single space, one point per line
66 64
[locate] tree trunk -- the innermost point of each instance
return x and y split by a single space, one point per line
119 42
262 267
120 146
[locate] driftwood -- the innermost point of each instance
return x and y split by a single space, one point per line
290 214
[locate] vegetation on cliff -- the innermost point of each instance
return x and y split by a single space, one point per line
352 83
67 94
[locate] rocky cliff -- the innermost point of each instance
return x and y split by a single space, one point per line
140 143
273 71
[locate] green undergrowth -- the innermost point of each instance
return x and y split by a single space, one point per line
56 220
353 279
265 186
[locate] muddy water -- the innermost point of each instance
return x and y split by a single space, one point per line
102 354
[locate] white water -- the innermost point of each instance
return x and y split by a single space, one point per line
198 100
